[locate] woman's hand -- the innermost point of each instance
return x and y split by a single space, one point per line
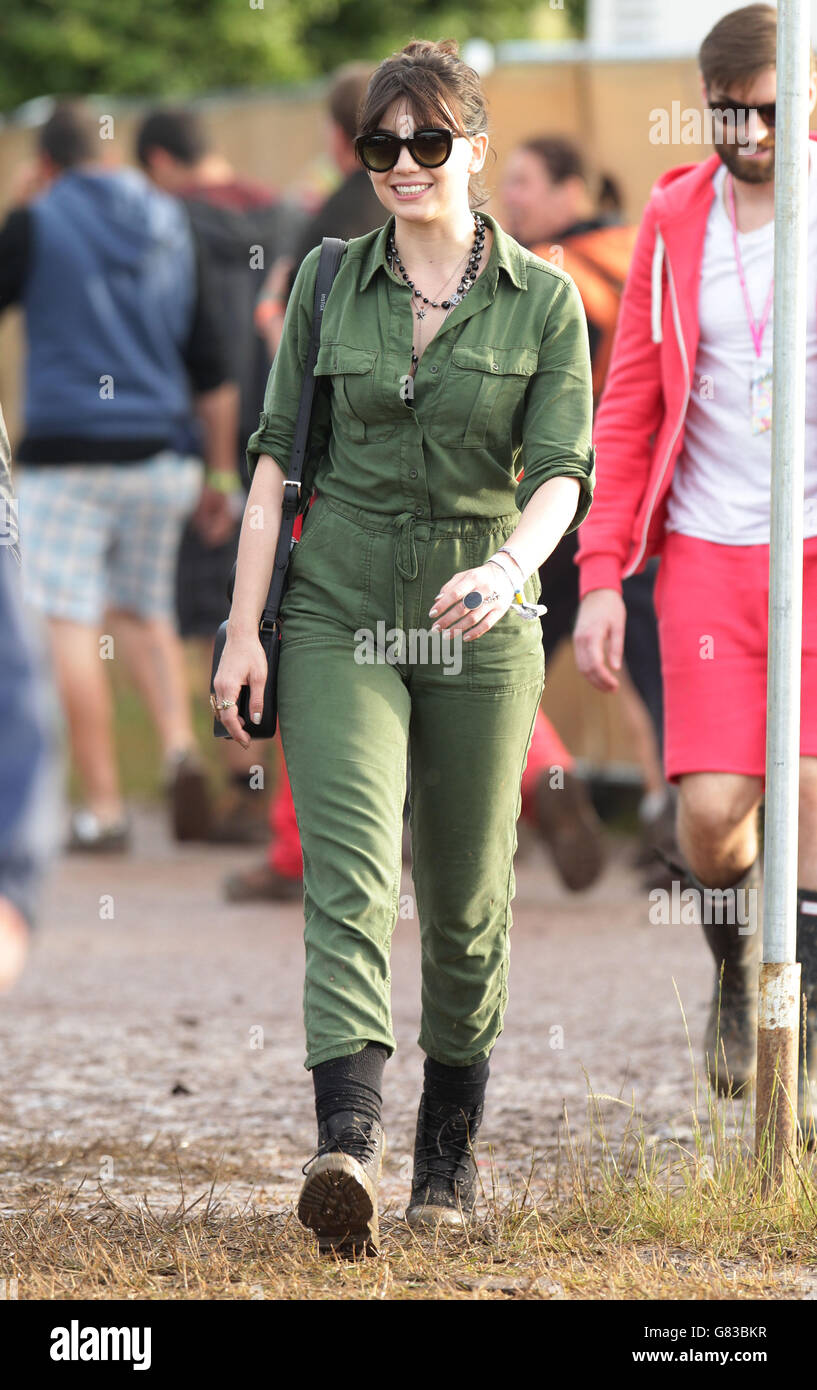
452 615
243 662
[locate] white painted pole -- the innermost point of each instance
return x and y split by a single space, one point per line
779 1011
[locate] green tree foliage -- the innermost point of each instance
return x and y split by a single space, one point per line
179 48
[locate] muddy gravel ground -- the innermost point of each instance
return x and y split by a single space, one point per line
157 1031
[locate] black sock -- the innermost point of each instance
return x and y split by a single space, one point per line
463 1086
351 1083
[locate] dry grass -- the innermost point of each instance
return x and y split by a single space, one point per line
519 1250
594 1220
611 1212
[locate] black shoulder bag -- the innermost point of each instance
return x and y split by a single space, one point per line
269 628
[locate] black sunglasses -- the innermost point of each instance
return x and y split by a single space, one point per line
381 150
766 112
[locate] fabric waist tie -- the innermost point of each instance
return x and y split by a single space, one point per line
405 562
402 527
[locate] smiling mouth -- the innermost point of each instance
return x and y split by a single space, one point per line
407 189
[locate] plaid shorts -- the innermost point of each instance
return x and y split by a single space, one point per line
96 536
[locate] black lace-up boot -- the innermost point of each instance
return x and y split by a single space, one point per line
338 1200
730 1041
807 1069
444 1185
731 1031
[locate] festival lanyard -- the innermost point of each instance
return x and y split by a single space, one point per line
756 329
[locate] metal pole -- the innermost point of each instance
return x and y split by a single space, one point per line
779 1001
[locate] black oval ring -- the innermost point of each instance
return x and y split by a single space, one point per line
474 599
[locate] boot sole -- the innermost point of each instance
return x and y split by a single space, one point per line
430 1217
338 1202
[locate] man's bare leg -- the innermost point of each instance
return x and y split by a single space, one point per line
807 840
717 825
86 698
154 655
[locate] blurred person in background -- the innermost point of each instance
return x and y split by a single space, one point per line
352 210
551 208
683 437
120 331
244 227
29 760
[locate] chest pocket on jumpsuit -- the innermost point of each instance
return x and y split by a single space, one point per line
357 410
486 386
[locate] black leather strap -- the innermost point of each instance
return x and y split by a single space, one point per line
332 249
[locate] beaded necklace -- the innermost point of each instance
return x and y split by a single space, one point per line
469 275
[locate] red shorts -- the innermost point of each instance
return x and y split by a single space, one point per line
712 605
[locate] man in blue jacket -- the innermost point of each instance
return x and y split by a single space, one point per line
122 345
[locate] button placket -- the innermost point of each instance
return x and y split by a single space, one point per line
397 307
392 324
413 475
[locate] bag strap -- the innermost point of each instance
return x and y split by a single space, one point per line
332 249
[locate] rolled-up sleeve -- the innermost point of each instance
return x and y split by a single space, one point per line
276 427
558 421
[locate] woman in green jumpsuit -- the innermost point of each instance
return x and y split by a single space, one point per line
449 455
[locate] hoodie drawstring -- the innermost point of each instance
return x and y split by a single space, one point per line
657 268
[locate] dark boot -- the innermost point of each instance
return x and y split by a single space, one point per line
242 818
807 1069
188 794
444 1185
262 883
338 1201
567 822
732 1025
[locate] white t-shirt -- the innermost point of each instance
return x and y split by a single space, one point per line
720 486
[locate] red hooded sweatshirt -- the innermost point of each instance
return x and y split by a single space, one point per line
639 425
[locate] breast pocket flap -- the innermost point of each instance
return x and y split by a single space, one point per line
504 361
337 359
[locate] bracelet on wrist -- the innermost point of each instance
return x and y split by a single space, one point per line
507 574
503 550
222 480
504 566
